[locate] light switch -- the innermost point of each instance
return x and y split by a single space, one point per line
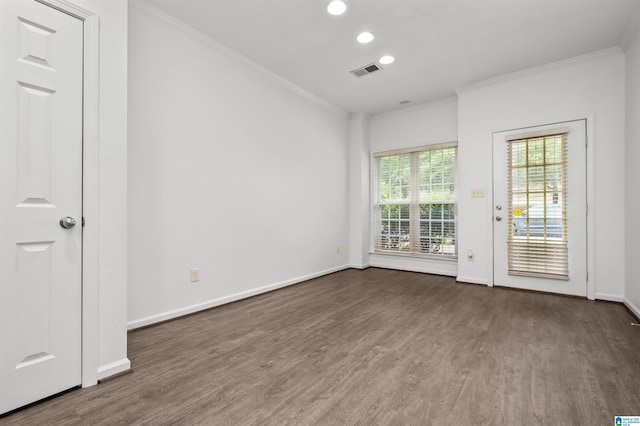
477 193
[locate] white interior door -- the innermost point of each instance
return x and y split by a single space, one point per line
41 183
540 208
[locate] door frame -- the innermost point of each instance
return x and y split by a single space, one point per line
90 184
590 185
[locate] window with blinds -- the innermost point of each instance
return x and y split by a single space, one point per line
537 203
414 202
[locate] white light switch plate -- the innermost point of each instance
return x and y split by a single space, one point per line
477 193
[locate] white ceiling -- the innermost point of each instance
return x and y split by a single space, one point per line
438 44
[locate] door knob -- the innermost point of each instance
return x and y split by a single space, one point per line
498 207
498 218
67 222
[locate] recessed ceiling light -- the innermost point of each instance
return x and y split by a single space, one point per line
364 37
387 59
336 7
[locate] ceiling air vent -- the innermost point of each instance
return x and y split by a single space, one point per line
367 69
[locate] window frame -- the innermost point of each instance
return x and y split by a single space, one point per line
413 202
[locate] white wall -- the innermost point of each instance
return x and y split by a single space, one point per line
112 238
425 124
359 191
591 86
230 171
632 155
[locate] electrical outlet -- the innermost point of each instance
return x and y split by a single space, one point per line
195 275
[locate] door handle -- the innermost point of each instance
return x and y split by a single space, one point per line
67 222
498 218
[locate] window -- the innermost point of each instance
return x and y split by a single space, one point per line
538 245
414 202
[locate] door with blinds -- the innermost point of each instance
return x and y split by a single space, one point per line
540 208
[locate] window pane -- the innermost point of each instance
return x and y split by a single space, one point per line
536 178
436 211
518 153
448 211
394 227
553 176
424 211
437 175
394 178
437 229
535 151
553 150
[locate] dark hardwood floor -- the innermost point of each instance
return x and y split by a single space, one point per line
373 347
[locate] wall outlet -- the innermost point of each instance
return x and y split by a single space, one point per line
338 248
195 275
470 255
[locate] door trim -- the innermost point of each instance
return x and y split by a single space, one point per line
590 183
90 185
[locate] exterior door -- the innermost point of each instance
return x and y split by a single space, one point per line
41 185
540 208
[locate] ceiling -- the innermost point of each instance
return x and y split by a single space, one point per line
438 44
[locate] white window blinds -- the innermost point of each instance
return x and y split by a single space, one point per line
414 202
537 173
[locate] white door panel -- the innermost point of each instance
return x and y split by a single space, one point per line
576 226
40 182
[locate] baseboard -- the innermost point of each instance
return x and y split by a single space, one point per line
131 325
445 267
116 367
427 270
472 280
609 297
633 308
355 266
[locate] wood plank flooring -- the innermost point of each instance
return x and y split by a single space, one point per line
372 347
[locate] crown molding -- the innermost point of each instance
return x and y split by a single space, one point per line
616 50
633 29
215 44
69 8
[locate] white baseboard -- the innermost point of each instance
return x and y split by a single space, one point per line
633 308
226 299
472 280
364 266
116 367
433 266
427 270
609 297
